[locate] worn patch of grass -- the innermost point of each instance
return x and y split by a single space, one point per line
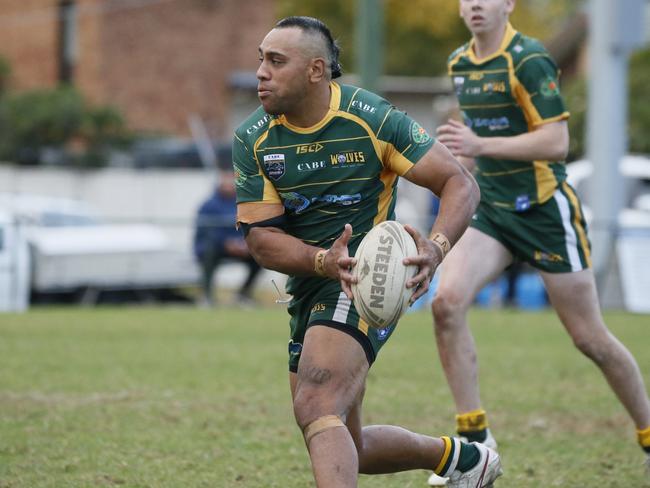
170 397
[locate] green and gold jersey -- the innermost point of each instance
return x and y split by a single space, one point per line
509 93
342 170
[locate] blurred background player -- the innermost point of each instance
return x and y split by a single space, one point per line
217 240
515 131
317 165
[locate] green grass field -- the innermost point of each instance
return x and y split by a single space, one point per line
180 397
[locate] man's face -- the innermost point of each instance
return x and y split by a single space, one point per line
226 184
283 73
482 16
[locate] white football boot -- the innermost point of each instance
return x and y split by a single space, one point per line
435 480
482 475
490 441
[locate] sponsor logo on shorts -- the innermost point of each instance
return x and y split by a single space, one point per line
295 348
274 165
522 203
547 256
382 334
319 307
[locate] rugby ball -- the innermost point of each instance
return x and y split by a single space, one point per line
380 293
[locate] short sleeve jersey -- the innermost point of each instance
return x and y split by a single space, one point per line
509 93
342 170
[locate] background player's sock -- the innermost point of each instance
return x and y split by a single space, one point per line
472 425
644 439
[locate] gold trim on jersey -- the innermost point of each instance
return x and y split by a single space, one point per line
507 172
494 105
382 122
577 222
243 143
335 104
352 99
484 71
369 131
319 142
545 180
530 56
563 116
398 163
316 183
388 178
523 98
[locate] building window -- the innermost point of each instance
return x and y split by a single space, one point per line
67 40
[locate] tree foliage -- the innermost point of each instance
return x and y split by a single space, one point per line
638 113
53 119
420 34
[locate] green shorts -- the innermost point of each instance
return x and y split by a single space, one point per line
551 237
327 305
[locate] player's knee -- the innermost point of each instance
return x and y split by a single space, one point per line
593 348
446 306
307 409
311 402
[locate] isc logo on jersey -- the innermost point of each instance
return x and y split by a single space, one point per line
309 148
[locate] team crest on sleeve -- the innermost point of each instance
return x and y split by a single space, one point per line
549 88
274 165
240 177
418 134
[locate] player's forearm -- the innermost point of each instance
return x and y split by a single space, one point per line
538 145
278 251
458 201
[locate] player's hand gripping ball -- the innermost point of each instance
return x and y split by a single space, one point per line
380 294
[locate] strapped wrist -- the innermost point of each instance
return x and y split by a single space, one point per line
319 262
441 241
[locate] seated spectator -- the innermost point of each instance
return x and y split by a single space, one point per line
216 239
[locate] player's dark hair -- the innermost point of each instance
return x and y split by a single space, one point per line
311 24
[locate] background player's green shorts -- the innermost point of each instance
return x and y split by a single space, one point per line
327 305
551 237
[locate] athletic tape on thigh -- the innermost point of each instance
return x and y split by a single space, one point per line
320 424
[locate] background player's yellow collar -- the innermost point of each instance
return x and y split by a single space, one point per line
507 38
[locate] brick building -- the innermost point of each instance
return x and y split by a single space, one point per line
159 61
